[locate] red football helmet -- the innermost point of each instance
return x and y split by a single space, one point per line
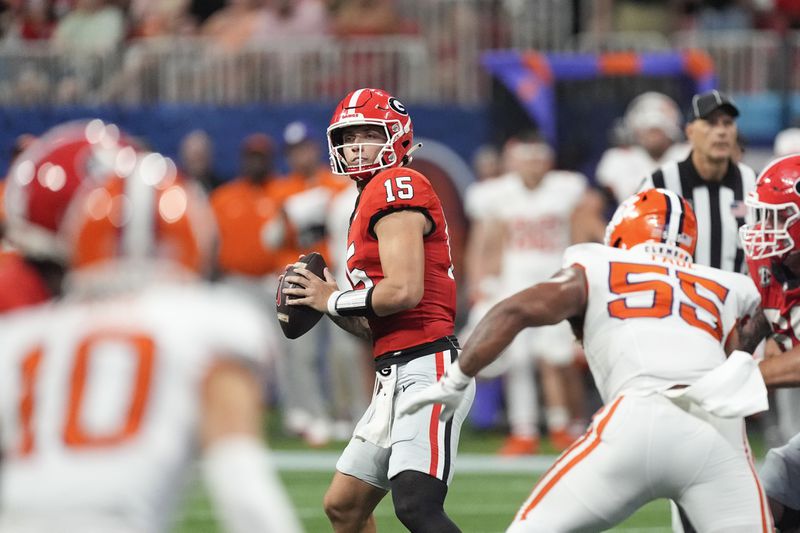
370 107
151 217
773 211
45 176
659 218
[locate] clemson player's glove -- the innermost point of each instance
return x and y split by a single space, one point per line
448 391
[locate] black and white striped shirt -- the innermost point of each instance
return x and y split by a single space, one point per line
718 206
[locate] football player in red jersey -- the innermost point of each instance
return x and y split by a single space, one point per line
771 241
39 187
403 297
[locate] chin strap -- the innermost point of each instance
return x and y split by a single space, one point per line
411 151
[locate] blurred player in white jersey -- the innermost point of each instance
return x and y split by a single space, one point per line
652 120
533 214
107 396
479 205
657 330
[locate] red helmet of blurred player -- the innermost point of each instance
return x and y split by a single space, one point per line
151 217
774 209
48 172
370 107
659 218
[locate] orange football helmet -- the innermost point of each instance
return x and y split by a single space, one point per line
47 173
659 218
370 107
153 216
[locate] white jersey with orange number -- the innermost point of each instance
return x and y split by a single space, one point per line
100 402
653 322
537 223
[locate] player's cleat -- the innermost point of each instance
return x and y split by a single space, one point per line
516 445
561 439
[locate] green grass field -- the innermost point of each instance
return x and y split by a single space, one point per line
480 502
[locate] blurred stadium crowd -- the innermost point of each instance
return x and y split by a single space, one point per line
98 51
62 21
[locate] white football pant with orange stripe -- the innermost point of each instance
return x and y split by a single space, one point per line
642 448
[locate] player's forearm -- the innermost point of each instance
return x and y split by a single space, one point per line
753 332
544 304
355 325
389 296
492 335
782 370
392 296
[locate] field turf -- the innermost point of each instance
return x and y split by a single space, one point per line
479 501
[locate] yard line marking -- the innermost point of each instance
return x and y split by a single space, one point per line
465 463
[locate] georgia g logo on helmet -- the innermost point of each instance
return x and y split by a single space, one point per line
383 115
398 106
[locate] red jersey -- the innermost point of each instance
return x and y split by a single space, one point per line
393 190
20 284
780 301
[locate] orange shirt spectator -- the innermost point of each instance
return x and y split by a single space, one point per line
251 227
305 192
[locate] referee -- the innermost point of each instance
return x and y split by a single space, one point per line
713 183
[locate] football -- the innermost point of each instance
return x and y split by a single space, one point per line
296 320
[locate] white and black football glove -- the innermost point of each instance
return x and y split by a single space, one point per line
448 391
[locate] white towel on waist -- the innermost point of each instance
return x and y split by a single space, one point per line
378 428
733 389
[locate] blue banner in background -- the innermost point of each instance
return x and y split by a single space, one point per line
463 130
532 76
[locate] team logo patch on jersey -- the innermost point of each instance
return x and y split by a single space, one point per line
764 276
